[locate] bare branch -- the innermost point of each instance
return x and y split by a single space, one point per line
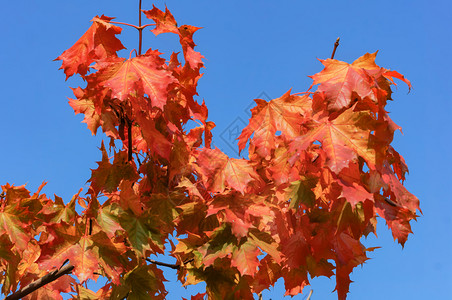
172 266
52 276
158 263
335 47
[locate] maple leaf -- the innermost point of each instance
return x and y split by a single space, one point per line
339 80
265 242
267 275
281 114
15 223
103 293
144 282
355 193
401 195
349 254
87 107
86 252
245 259
165 21
211 252
219 171
155 140
53 290
296 250
142 233
397 218
98 42
110 255
69 244
97 108
319 268
294 281
239 227
108 176
300 192
106 215
394 74
56 212
191 188
281 169
343 138
9 263
129 197
192 57
192 218
124 77
199 296
6 252
28 264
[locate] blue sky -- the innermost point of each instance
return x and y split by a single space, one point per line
251 48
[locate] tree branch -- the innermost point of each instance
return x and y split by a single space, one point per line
335 47
140 30
172 266
52 276
158 263
129 139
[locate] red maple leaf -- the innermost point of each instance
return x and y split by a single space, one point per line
339 80
283 114
164 21
145 72
218 171
344 139
97 43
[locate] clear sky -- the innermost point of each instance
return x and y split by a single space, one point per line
251 48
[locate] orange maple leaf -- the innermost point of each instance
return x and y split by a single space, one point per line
96 43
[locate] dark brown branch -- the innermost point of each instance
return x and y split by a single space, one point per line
172 266
158 263
52 276
335 47
129 140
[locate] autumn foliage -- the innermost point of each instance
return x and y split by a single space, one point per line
319 172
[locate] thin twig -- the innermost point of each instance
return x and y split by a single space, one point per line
129 139
131 25
122 23
312 291
140 30
158 263
172 266
335 47
52 276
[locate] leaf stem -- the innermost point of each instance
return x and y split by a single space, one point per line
131 25
122 23
336 44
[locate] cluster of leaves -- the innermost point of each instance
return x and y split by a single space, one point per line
320 170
